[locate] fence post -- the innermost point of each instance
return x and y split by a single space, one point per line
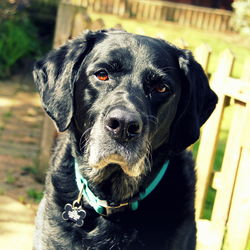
64 21
202 55
81 21
209 137
238 226
206 154
181 43
239 216
66 18
245 75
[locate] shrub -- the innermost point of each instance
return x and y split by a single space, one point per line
18 37
241 17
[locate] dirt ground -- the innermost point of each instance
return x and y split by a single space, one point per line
21 120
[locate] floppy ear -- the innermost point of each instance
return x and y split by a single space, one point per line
56 74
197 102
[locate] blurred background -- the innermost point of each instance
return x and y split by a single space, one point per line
218 34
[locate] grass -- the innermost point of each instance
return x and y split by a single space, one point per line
1 128
194 37
7 115
2 191
29 170
34 194
9 178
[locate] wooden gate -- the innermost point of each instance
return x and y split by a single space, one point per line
229 226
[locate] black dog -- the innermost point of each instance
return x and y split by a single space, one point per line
120 177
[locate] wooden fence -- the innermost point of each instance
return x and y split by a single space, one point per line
229 226
183 14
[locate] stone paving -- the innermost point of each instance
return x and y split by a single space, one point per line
21 120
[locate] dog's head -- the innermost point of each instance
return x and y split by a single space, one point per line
124 96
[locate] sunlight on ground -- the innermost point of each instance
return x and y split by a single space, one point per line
16 225
7 102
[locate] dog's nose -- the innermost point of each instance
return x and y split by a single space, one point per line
123 125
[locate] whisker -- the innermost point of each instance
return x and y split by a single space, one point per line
83 141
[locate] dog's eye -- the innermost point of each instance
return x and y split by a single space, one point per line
161 88
102 75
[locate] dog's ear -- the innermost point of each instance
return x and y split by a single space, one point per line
196 104
56 74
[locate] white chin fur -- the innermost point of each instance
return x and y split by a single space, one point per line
132 171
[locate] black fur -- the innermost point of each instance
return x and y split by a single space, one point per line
160 97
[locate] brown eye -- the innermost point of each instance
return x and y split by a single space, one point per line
102 75
161 88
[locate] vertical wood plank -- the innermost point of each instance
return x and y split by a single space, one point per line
81 22
225 64
116 7
202 55
245 75
146 11
64 23
176 15
226 179
200 19
206 154
238 226
209 137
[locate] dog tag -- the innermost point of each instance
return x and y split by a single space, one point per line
74 214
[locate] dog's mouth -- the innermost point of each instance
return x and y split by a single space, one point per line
117 161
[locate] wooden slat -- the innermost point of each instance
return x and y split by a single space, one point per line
226 63
207 236
206 154
245 75
228 172
65 18
237 89
68 24
209 137
146 12
64 22
81 22
238 226
202 55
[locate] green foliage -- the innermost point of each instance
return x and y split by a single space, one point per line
35 194
7 115
29 170
241 18
18 38
10 179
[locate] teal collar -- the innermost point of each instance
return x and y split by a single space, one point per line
101 206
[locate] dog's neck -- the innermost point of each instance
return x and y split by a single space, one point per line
105 207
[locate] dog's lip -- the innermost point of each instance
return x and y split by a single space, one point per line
116 160
111 159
